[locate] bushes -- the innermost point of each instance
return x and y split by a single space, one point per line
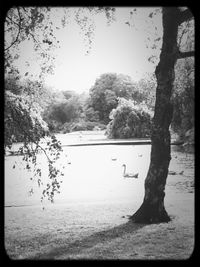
183 97
82 125
129 121
87 126
106 90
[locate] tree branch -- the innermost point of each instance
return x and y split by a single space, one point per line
185 54
24 9
19 29
12 21
184 16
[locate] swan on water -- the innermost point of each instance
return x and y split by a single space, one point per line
129 175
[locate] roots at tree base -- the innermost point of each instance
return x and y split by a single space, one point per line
150 213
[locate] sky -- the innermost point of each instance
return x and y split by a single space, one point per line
118 48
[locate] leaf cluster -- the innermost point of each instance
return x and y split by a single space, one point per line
183 97
106 90
129 120
23 123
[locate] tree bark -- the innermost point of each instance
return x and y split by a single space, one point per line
152 209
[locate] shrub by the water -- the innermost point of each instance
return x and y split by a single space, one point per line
129 120
82 125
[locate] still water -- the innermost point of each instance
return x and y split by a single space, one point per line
91 173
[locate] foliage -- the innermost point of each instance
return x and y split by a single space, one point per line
129 120
24 123
79 125
65 111
36 92
12 84
87 126
107 88
183 97
67 107
68 94
183 94
147 88
186 36
69 111
35 25
21 121
91 114
83 18
29 24
23 100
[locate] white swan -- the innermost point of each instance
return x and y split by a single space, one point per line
129 175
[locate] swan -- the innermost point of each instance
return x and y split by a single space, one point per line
129 175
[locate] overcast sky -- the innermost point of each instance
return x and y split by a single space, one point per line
116 48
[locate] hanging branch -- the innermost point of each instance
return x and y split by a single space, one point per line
12 21
19 30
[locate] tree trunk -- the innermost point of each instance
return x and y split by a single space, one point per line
152 209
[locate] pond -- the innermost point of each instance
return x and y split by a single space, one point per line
91 173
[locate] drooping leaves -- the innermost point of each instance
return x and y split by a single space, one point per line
23 123
129 120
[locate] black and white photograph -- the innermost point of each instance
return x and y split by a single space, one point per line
99 126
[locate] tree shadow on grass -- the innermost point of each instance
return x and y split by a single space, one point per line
90 241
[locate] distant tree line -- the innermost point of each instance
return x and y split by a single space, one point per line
115 103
